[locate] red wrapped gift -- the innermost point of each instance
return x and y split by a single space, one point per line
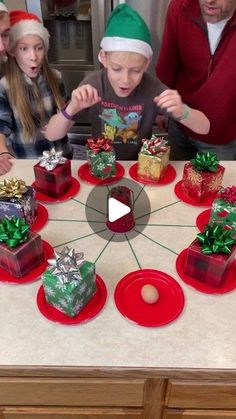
208 258
202 177
21 259
200 185
53 174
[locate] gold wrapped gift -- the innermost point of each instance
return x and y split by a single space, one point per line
152 167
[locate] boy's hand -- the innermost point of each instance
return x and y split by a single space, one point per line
171 102
83 97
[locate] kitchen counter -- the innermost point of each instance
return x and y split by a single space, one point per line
202 338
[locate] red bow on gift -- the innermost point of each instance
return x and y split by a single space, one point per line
99 144
229 194
154 146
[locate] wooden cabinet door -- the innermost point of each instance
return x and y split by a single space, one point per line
68 413
198 414
74 392
201 395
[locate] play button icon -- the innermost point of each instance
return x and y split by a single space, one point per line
118 215
116 209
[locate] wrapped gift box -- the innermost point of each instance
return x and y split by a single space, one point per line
224 209
153 158
204 183
53 174
210 268
17 199
101 157
25 256
68 283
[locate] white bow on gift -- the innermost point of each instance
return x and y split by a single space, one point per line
66 265
51 158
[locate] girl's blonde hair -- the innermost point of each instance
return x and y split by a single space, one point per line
19 98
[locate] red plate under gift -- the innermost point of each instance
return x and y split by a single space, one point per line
206 202
91 309
86 176
203 219
227 286
34 274
168 176
131 305
42 218
72 191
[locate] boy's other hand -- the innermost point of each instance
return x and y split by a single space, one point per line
171 102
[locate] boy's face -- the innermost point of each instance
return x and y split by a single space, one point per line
215 10
4 32
29 52
124 70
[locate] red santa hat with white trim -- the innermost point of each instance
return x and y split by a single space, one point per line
23 24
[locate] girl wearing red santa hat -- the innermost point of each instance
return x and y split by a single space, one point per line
30 92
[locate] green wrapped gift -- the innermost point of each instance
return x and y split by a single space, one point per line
69 282
224 209
101 157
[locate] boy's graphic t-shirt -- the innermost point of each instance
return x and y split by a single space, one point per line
126 121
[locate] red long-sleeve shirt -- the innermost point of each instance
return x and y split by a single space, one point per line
205 82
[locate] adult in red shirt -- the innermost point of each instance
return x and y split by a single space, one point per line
198 59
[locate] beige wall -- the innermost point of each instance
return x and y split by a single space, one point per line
15 4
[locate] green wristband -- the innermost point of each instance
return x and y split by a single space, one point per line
185 114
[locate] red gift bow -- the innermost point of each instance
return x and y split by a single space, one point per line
155 145
229 194
99 144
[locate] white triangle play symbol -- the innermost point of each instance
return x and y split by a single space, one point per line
116 209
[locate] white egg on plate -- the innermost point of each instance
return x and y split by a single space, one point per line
149 294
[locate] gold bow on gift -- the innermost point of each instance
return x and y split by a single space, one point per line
12 188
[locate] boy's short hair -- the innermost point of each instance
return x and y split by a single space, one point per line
127 31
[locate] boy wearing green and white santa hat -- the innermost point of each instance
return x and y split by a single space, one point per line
123 98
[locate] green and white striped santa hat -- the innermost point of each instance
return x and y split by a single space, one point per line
127 31
3 7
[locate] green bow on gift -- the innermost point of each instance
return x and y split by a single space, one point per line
13 231
205 161
215 239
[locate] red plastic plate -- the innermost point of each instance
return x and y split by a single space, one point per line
203 219
91 309
72 191
42 218
87 177
33 275
130 304
228 285
168 177
185 198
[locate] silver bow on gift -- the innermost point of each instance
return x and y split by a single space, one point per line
51 159
66 265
